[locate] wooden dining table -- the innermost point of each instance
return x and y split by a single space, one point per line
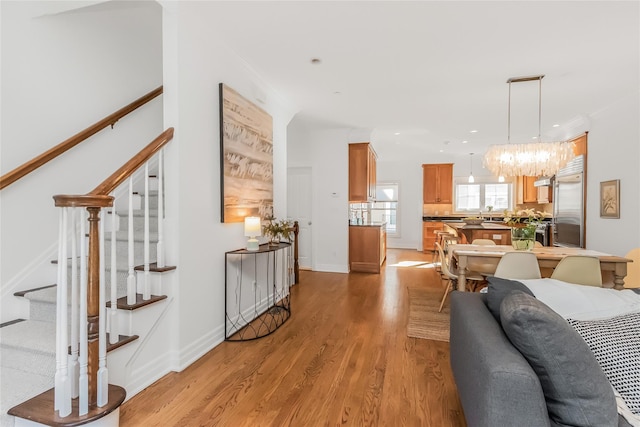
488 256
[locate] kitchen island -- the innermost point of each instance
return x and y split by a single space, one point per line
498 232
367 247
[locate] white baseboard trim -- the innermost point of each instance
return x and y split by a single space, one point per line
200 347
332 268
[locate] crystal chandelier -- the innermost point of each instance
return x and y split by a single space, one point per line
531 158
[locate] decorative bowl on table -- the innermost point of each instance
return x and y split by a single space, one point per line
473 221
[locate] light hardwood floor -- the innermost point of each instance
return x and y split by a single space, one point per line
343 358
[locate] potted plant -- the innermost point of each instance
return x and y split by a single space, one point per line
523 225
277 230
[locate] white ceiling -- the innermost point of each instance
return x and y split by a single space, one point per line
435 70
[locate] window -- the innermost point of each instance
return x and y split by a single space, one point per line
385 208
476 197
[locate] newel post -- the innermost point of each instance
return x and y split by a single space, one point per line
93 302
93 204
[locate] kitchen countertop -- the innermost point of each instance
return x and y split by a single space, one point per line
485 225
369 224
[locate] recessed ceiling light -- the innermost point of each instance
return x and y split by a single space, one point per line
465 141
556 125
442 151
474 131
315 61
534 137
397 133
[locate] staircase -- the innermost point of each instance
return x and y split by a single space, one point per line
27 346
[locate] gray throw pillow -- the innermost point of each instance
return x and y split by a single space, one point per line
575 388
498 289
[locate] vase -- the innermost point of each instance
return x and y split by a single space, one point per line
275 241
523 238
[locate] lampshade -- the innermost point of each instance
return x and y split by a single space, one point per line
252 229
531 158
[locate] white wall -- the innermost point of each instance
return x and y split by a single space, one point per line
326 151
60 74
195 62
614 153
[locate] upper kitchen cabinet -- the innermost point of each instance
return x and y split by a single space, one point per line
437 183
362 172
527 191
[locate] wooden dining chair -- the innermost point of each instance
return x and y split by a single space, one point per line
449 273
518 265
579 269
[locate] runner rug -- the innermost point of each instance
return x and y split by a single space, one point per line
424 320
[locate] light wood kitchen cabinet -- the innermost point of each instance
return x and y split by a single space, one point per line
527 192
437 183
367 248
428 234
362 172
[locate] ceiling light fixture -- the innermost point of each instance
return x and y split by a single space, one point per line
532 158
471 179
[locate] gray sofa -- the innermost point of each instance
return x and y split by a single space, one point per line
496 384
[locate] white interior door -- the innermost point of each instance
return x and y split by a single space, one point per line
299 209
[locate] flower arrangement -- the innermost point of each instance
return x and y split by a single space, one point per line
277 229
523 225
524 217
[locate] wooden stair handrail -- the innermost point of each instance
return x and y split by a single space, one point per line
110 120
99 197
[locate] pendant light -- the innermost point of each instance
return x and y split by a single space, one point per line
531 158
471 179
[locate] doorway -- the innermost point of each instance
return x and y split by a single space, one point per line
299 192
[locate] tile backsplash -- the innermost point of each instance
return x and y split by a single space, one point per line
437 209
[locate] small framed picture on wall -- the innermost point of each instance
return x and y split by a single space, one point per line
610 199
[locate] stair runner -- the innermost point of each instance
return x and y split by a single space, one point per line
27 347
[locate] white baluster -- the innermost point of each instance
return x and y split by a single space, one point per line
83 392
160 245
102 375
113 312
146 293
74 368
62 401
131 278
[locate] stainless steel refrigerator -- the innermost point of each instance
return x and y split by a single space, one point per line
568 205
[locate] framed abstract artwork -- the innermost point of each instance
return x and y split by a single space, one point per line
246 157
610 199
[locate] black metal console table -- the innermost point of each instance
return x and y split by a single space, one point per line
257 291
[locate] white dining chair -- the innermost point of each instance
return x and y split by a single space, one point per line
579 269
483 242
518 265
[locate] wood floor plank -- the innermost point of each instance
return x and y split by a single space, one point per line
342 359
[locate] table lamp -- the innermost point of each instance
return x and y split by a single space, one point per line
252 229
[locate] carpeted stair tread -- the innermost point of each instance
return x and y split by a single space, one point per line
30 335
43 295
17 386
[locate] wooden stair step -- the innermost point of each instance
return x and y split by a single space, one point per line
23 293
11 322
122 302
153 267
40 409
122 340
